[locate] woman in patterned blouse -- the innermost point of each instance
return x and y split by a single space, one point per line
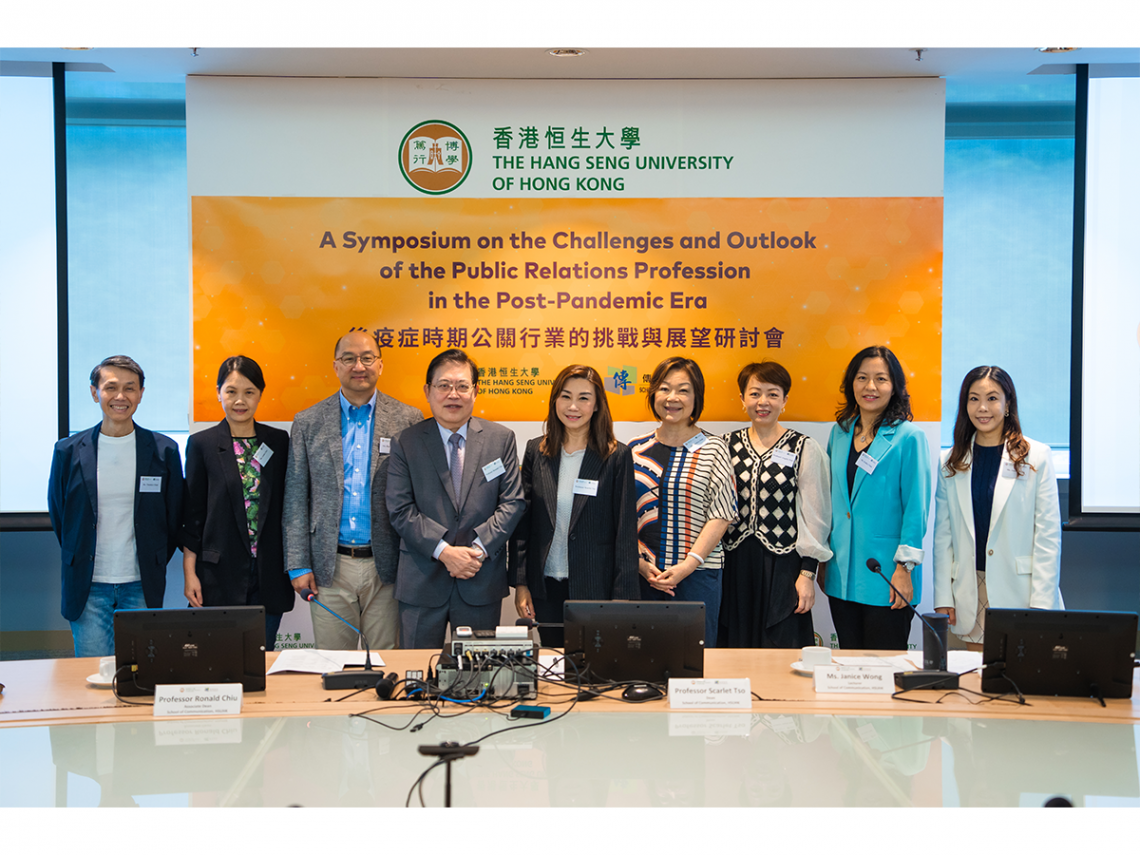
232 550
686 496
780 537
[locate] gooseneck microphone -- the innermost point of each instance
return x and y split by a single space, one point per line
346 679
928 678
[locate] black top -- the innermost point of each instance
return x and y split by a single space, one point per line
852 459
602 537
983 477
215 525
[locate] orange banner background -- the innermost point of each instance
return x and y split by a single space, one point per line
264 286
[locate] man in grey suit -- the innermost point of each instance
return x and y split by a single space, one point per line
338 541
455 496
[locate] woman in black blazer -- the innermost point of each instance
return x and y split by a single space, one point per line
232 553
578 540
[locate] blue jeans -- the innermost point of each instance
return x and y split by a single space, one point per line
94 632
700 586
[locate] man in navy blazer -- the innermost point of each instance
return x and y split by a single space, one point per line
454 496
115 501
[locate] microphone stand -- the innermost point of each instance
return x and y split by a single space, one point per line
925 679
447 752
366 678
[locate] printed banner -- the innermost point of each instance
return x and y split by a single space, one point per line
529 285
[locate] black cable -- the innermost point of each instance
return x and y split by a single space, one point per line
985 698
418 783
120 698
365 715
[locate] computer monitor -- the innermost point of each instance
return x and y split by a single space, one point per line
1070 653
216 644
619 640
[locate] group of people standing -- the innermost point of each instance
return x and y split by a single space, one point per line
403 525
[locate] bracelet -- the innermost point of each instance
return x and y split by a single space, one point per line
808 573
700 560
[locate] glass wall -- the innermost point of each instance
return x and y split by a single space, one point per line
128 241
1008 229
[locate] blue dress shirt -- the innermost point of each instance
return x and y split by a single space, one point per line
356 445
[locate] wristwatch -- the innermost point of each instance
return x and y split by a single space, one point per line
909 565
809 573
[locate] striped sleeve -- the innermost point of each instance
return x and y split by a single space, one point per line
721 491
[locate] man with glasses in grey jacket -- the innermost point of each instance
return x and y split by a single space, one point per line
338 542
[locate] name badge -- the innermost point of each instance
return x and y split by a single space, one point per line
867 463
150 483
385 445
696 442
198 699
1008 470
263 454
585 487
494 469
783 457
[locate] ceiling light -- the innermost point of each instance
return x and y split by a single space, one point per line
1056 49
566 52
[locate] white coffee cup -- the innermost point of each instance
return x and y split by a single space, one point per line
107 668
812 656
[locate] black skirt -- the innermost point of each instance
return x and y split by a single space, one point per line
759 602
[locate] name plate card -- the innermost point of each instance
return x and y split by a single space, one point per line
198 699
854 679
209 731
710 694
710 726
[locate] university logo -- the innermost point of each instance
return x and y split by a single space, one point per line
435 157
621 381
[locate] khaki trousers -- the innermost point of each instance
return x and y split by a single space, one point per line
358 596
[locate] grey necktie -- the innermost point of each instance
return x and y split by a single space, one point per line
456 442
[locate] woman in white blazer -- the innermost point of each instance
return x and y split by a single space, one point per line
997 521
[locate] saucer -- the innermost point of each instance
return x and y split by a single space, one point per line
98 682
799 668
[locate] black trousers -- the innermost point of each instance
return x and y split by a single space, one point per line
863 627
549 610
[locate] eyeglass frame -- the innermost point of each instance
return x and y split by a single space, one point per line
365 359
445 389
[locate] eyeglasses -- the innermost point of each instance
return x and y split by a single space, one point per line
461 389
365 359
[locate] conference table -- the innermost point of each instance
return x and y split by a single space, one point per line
73 744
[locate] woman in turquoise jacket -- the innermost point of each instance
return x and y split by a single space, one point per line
880 496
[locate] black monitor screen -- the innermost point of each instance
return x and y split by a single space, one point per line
216 644
628 640
1071 653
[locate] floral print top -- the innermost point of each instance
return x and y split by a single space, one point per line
249 468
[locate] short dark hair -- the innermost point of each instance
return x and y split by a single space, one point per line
120 361
244 366
374 336
765 372
691 368
897 409
453 355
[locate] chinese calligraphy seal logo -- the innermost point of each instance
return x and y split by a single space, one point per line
621 381
435 157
